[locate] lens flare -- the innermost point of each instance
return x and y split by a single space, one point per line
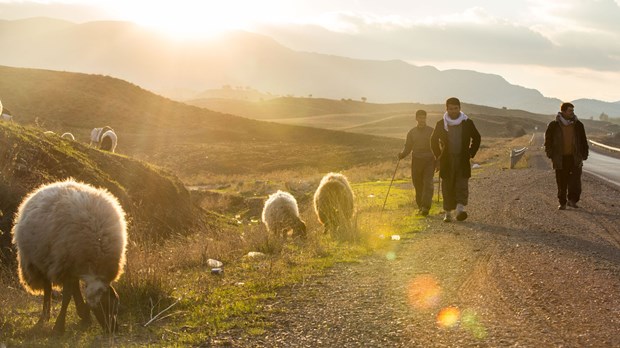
448 317
424 292
471 323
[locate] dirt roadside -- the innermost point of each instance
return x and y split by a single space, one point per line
517 273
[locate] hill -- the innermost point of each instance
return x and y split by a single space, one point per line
390 120
192 142
135 54
156 202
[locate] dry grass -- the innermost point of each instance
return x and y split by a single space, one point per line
176 272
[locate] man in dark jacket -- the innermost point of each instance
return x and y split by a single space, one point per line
454 142
422 162
567 147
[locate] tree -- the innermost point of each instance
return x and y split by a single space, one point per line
603 117
364 99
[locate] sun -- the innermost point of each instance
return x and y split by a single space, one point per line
194 19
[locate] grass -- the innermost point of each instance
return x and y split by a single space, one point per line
168 294
176 274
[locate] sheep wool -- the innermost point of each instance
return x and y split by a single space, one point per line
69 231
280 214
105 138
68 135
334 202
108 141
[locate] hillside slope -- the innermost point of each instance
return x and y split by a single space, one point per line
156 202
185 139
390 120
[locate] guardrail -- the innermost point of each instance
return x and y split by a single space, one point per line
610 148
515 156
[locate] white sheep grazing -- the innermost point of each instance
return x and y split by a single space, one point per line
108 141
334 202
69 231
68 135
281 214
105 138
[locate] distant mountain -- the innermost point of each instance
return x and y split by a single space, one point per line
130 52
594 108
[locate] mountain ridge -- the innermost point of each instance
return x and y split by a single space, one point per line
133 53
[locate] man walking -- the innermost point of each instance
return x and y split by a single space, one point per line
455 140
567 147
422 162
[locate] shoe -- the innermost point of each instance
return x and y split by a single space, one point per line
424 212
572 204
562 207
447 217
461 216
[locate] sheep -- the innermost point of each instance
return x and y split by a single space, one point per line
6 114
334 203
69 231
108 141
105 138
68 135
280 214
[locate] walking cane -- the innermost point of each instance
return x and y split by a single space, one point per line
438 188
388 193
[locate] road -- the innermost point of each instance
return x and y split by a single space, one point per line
603 167
517 273
598 164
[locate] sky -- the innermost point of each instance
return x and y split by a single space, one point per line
566 49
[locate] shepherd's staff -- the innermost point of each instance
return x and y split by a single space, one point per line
438 188
388 193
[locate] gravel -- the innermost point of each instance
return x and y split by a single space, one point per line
516 273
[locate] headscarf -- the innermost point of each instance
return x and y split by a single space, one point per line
447 121
564 121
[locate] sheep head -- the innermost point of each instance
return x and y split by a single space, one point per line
103 300
300 229
106 311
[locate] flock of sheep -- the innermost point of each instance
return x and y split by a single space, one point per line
103 138
69 231
333 204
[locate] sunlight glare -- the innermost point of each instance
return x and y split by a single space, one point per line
471 323
448 317
195 19
424 292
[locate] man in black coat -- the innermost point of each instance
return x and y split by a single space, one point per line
567 147
454 142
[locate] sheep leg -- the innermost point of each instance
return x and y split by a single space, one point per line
67 294
80 306
47 303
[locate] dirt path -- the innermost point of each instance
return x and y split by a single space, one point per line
518 273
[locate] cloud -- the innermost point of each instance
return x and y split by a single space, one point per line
570 34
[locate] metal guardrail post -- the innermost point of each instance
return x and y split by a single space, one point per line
515 156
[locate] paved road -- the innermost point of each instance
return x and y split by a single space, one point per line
604 167
598 164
